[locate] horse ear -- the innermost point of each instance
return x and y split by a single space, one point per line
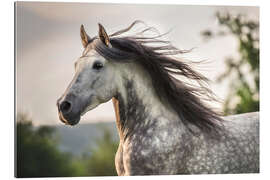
103 36
84 37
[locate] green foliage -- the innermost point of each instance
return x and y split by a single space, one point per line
100 162
243 72
38 154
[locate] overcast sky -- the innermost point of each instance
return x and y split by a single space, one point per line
48 43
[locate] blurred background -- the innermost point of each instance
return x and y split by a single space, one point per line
48 43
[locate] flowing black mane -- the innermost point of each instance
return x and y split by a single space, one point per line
157 57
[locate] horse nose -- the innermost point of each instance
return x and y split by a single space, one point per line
65 107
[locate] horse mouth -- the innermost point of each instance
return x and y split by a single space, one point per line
69 121
71 115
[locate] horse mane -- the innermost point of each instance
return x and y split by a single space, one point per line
158 58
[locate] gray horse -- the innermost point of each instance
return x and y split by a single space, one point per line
163 124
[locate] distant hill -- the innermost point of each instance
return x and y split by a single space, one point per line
76 139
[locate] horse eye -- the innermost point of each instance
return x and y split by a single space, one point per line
97 65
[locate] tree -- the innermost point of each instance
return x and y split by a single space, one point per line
100 162
242 89
37 152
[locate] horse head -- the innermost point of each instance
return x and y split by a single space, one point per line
94 81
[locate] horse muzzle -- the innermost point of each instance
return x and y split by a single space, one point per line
68 110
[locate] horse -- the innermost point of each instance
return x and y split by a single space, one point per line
164 123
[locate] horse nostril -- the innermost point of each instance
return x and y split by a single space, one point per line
65 106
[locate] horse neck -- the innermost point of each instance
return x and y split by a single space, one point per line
137 105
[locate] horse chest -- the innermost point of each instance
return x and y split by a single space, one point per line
146 155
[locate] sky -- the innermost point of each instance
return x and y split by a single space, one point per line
48 43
